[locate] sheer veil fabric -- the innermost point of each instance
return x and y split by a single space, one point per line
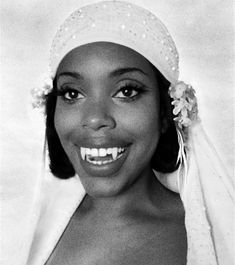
37 210
208 198
207 192
207 195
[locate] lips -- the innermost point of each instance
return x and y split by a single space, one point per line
101 156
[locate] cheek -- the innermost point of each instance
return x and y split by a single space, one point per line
65 124
140 123
143 126
143 122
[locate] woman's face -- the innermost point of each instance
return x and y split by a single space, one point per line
107 115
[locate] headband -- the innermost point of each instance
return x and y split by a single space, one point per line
131 26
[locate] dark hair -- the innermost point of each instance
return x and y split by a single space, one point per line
165 156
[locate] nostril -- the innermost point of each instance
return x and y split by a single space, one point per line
97 122
97 115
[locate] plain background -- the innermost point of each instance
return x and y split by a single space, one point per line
203 32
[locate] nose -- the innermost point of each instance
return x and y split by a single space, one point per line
97 116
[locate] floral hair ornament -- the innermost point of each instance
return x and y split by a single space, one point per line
185 104
40 92
132 26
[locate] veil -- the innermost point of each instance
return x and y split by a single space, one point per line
207 192
208 197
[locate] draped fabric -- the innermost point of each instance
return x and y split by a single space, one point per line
209 202
42 210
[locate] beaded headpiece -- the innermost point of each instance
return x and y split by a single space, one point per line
129 25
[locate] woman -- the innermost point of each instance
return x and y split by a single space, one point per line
109 124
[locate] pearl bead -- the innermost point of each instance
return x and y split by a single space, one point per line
143 35
123 26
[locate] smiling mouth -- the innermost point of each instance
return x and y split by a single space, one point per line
101 156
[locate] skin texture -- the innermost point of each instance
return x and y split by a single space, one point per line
127 216
102 119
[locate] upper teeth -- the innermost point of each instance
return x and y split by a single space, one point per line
101 152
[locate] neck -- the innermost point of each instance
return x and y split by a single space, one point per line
140 194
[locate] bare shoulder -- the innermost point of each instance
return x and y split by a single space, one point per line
159 236
145 236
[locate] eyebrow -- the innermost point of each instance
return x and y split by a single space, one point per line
71 74
121 71
114 73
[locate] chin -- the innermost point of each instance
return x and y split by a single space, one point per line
101 187
102 192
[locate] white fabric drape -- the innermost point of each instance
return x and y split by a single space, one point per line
43 209
209 203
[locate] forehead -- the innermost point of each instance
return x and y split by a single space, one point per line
105 56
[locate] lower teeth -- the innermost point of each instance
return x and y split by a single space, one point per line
94 162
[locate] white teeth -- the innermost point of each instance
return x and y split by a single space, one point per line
89 153
94 152
102 152
107 161
114 153
109 151
83 153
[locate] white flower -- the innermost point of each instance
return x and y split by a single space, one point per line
178 90
48 85
39 93
184 102
179 105
183 121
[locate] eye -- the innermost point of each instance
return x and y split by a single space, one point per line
70 94
129 92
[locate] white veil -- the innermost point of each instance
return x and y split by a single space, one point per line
207 194
208 198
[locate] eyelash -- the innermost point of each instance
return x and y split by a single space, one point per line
139 89
131 87
64 90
